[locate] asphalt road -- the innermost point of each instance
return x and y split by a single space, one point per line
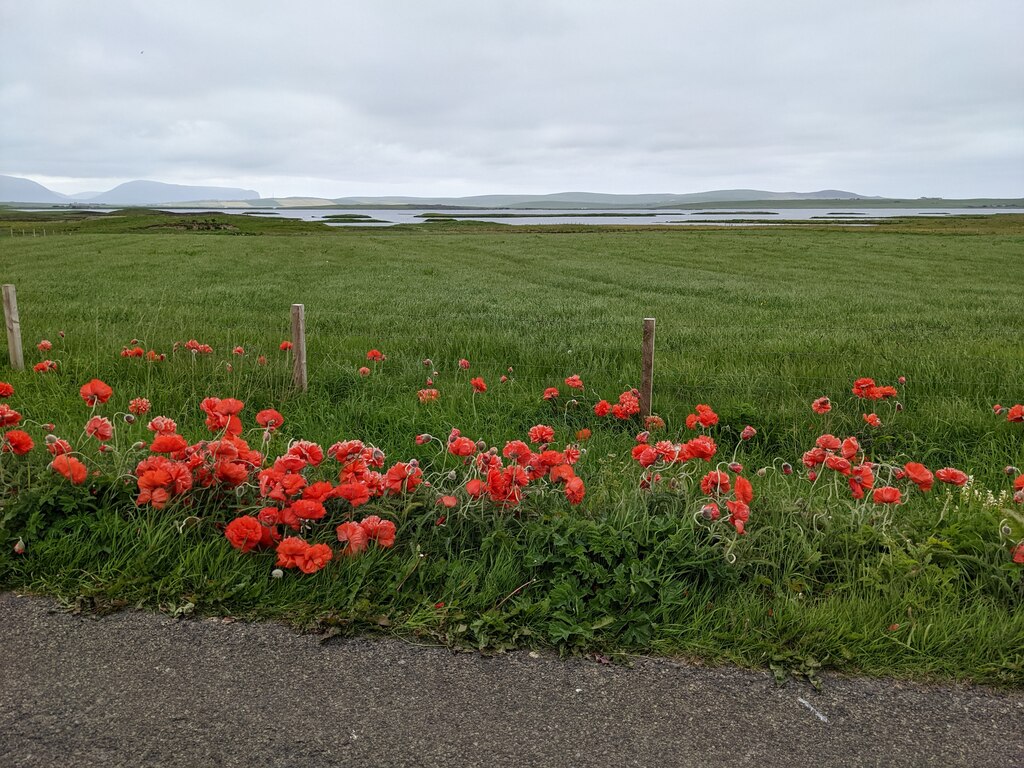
139 689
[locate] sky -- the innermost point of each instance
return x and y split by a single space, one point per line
901 98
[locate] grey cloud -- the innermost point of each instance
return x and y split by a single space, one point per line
910 98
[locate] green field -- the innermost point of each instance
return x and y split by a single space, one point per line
756 322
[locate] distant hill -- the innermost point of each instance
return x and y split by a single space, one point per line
17 190
584 200
156 192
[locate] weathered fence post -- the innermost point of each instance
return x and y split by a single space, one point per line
647 368
13 324
299 376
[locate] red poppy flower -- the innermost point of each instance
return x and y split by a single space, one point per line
886 495
714 482
739 514
291 551
285 346
374 355
575 490
6 390
1018 554
162 425
838 464
821 405
861 479
952 476
100 428
17 442
402 477
705 416
171 443
1016 413
428 395
70 467
813 457
828 442
702 447
550 393
602 408
354 536
849 447
478 384
364 371
919 475
380 531
574 382
461 446
269 419
244 533
476 488
308 451
744 490
44 366
56 446
872 420
8 416
45 345
583 434
464 364
541 434
139 406
448 501
315 557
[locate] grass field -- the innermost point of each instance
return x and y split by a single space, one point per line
756 322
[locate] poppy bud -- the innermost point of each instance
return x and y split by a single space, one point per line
997 409
138 446
453 475
762 472
902 379
481 445
277 573
747 433
899 407
430 382
49 427
493 451
735 467
1018 497
812 475
266 436
529 468
51 439
19 547
378 455
413 463
129 418
573 402
787 468
1010 470
1005 530
510 369
503 379
133 342
105 449
428 363
61 334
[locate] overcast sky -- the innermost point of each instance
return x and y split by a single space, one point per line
889 97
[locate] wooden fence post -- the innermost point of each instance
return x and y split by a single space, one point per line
647 368
13 324
299 376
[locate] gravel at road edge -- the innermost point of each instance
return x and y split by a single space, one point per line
141 689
